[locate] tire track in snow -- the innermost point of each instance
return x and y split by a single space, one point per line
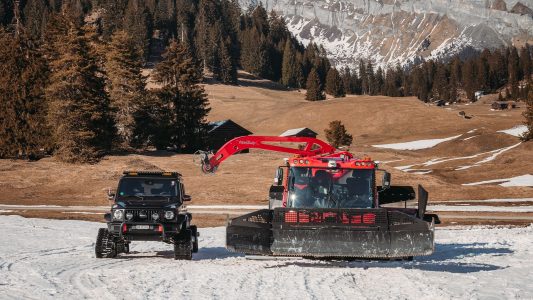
57 258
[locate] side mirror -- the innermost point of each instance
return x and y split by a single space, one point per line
278 180
386 181
187 198
110 194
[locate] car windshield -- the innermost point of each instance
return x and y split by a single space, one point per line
143 188
330 188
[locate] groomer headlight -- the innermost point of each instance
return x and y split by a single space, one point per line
332 164
118 214
169 215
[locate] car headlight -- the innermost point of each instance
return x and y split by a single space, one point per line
118 214
129 216
169 214
155 216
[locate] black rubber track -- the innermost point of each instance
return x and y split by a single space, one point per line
104 244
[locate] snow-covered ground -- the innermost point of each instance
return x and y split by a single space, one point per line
481 208
51 259
524 180
416 145
516 131
505 200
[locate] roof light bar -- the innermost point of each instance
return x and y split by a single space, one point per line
160 173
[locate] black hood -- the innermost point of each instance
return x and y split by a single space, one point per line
152 203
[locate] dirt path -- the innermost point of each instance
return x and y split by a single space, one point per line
216 215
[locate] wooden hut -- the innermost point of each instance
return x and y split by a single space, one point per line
221 132
300 132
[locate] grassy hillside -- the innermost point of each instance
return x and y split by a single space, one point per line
267 109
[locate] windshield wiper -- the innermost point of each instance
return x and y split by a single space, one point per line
330 198
330 194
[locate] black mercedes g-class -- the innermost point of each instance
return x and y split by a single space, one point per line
148 206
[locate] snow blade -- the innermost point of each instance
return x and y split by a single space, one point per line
331 233
350 233
250 233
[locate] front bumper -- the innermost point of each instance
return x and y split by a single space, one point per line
155 232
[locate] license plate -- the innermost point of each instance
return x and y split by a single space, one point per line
142 227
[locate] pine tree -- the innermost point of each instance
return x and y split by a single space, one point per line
260 19
314 87
525 62
126 85
216 38
356 84
35 16
469 79
528 115
441 89
113 16
334 84
23 77
289 73
137 23
371 77
249 49
322 64
227 68
514 72
81 126
483 70
498 70
278 36
164 15
347 80
363 77
55 31
337 135
419 84
182 100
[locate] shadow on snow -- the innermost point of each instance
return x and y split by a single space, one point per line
206 253
444 259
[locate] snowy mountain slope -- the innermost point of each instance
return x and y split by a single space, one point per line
405 31
45 259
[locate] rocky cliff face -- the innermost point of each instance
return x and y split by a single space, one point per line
405 31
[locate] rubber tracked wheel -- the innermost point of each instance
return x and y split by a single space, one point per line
194 230
104 247
183 246
183 250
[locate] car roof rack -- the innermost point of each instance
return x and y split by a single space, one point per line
156 173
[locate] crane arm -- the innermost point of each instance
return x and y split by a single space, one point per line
312 147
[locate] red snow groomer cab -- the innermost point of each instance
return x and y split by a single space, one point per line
325 203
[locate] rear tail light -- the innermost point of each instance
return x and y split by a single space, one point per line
345 219
369 218
160 228
291 217
303 217
329 217
124 228
356 220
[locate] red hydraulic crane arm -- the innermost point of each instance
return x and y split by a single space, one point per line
312 147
